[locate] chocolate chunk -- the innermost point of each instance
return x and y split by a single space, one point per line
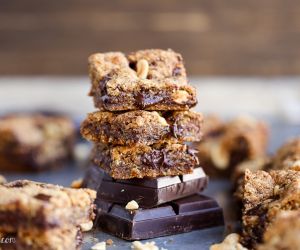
146 192
43 197
102 84
155 159
145 100
176 71
184 215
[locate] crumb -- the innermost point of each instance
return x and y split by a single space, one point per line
85 227
132 205
2 179
137 245
231 242
109 242
77 183
99 246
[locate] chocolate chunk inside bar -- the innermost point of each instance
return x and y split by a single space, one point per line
139 161
27 204
34 141
180 216
157 81
146 192
144 127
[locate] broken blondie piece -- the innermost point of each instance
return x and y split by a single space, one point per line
27 204
222 149
283 233
149 79
144 127
68 237
265 196
139 161
231 242
288 156
34 141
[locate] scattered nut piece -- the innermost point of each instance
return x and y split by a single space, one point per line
132 205
231 242
86 226
219 156
77 183
2 179
142 68
296 165
99 246
109 242
137 245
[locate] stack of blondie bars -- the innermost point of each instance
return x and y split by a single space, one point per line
147 179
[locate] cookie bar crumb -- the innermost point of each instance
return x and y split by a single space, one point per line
231 242
137 245
99 246
132 205
109 242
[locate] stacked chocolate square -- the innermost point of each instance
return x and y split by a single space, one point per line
147 179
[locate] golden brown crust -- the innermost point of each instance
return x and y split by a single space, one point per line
162 63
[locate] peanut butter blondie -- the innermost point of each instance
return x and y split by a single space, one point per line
265 196
231 242
288 155
27 204
34 141
139 161
68 237
149 79
144 127
222 149
283 233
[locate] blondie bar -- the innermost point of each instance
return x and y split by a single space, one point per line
283 233
144 127
223 148
68 237
139 161
35 142
265 196
150 79
27 204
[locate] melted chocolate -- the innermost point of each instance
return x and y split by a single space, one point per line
145 100
43 197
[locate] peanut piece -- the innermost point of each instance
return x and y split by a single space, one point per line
132 205
142 68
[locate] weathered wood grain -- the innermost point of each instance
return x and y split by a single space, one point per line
233 37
